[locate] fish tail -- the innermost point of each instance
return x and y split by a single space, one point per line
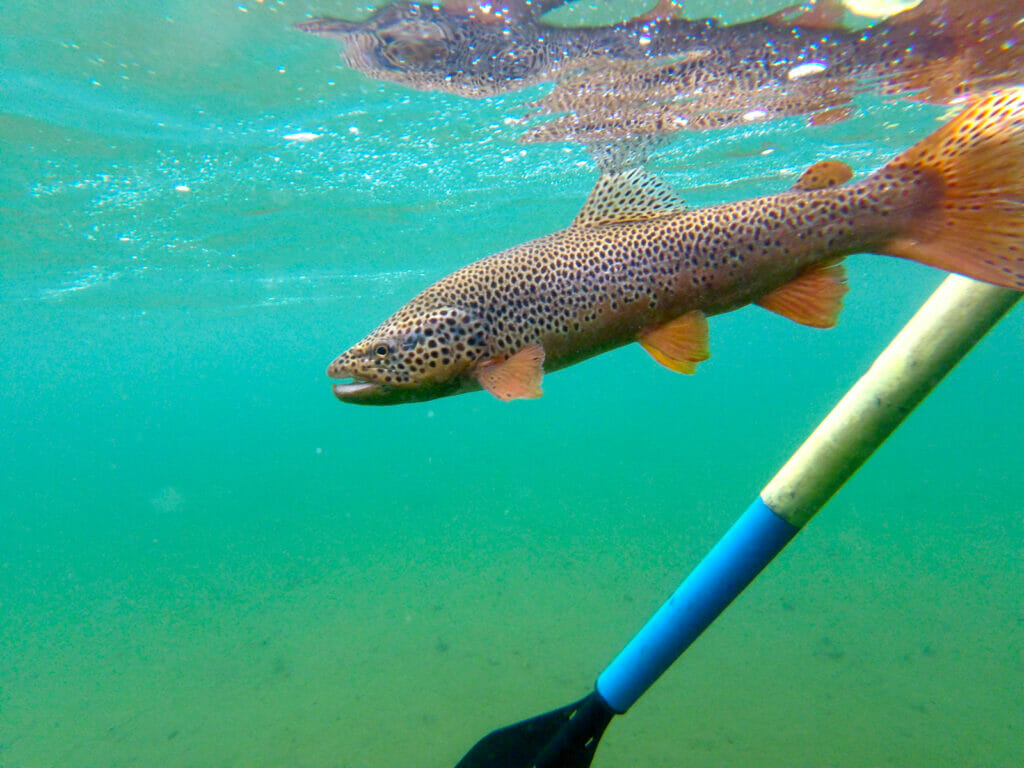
975 165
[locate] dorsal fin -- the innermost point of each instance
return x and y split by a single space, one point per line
631 195
483 12
830 116
665 10
889 9
823 175
816 14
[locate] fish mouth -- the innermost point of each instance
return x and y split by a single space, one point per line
357 390
351 387
326 26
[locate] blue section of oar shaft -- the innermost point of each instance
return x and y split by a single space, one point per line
728 568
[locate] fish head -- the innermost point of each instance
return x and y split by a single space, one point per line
424 46
398 41
413 356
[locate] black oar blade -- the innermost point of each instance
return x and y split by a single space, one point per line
562 738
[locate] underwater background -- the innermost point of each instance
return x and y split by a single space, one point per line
207 560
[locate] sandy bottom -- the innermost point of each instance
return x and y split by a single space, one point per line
860 646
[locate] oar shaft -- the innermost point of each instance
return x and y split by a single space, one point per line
952 321
954 318
742 553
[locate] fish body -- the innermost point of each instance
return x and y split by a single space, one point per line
934 48
430 47
636 265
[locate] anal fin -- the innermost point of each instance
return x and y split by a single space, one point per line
516 377
815 298
679 344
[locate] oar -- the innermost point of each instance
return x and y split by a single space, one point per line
953 320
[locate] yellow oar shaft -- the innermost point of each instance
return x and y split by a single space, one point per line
952 321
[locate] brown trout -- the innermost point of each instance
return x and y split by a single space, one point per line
479 49
636 265
472 48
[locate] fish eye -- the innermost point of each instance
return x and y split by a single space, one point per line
381 351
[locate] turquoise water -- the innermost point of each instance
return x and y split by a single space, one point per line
206 560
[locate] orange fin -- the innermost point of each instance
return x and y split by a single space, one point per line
882 9
816 14
830 116
976 227
679 344
665 10
825 174
517 377
631 195
815 298
483 12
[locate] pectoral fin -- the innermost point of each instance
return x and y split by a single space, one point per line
679 344
815 298
516 377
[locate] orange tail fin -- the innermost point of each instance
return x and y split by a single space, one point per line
977 227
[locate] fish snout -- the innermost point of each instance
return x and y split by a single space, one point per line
340 368
357 389
330 27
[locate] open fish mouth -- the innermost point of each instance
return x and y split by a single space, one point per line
352 387
356 389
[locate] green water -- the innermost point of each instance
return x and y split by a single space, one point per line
206 560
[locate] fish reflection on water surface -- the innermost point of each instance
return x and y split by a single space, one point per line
659 73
